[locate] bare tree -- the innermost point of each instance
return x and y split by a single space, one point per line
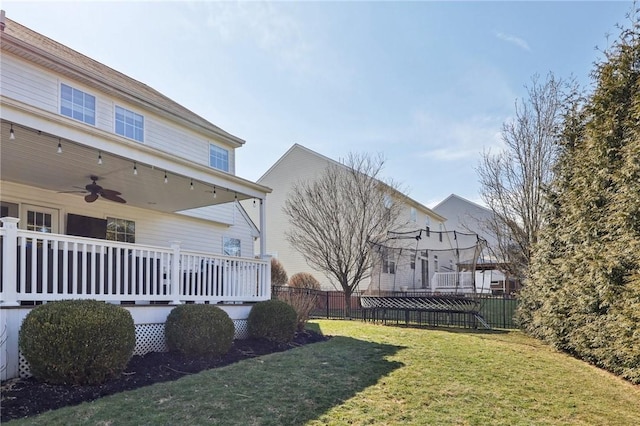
336 217
513 181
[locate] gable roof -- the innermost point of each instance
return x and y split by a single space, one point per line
36 48
454 196
410 201
294 147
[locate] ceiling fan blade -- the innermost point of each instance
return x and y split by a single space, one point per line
90 198
113 197
109 192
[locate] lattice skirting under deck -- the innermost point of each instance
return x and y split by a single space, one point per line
149 338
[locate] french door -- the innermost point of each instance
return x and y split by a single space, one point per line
39 218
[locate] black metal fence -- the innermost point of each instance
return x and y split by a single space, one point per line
496 310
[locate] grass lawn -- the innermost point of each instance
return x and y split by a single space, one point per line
381 375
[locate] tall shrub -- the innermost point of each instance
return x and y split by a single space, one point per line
302 294
278 273
584 291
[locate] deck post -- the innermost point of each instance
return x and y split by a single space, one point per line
175 273
10 262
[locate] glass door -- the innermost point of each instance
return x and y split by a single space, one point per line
38 218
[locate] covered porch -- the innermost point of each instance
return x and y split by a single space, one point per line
49 163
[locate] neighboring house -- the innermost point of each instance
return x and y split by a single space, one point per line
112 191
393 271
466 216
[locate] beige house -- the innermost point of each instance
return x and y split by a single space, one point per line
392 272
110 190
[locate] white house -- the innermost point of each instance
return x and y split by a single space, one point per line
466 216
110 190
408 268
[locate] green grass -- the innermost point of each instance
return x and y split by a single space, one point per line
381 375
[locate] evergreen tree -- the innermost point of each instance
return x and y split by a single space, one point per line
584 292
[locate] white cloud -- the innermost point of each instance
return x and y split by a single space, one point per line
267 25
521 43
457 139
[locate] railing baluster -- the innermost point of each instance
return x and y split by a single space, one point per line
51 266
55 285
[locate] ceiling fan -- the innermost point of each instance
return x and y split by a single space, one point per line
93 191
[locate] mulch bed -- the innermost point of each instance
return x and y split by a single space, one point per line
27 397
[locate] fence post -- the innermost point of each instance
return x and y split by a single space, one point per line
10 262
175 273
327 304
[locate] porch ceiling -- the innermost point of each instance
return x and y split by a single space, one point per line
32 159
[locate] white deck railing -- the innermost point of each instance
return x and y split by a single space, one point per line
43 267
452 282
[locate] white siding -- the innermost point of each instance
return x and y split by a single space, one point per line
28 84
41 88
299 164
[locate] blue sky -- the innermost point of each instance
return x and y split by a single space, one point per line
427 84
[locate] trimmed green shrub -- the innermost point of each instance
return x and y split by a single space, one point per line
273 320
198 329
77 341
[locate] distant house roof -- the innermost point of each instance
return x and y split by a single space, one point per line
410 201
24 42
454 196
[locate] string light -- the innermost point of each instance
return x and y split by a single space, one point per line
99 157
12 135
135 168
166 179
235 196
254 203
191 185
214 192
59 146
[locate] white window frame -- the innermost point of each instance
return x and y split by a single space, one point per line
219 158
232 246
41 211
388 264
132 124
413 214
112 235
87 115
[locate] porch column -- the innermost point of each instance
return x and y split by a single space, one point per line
175 273
10 262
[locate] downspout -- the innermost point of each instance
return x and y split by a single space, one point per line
263 227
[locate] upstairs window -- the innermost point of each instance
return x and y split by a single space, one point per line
218 158
77 104
413 214
129 124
